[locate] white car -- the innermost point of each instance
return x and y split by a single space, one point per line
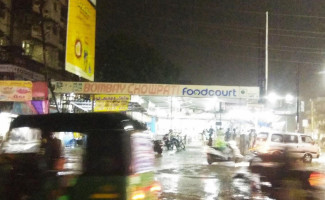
297 145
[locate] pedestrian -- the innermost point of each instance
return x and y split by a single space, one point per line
203 136
211 131
234 134
227 134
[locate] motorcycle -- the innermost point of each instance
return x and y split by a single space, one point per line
228 153
172 142
281 180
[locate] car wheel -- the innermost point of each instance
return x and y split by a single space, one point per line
307 158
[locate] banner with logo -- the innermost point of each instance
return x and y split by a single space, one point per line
80 47
203 91
16 90
111 103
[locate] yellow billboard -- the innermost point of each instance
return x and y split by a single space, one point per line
80 47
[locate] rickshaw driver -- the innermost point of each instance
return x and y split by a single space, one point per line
53 149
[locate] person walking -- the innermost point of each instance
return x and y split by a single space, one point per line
211 131
227 135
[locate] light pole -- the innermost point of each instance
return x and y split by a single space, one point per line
298 101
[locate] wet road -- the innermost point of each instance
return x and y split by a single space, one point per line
187 175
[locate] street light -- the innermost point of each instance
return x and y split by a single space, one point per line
272 97
289 98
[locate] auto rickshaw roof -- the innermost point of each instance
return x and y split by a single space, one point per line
77 122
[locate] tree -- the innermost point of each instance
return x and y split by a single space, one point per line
123 59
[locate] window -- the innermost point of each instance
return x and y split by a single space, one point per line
277 138
28 47
262 137
291 139
306 139
23 140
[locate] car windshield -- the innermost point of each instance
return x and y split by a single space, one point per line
262 137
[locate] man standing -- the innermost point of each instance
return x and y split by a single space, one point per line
211 131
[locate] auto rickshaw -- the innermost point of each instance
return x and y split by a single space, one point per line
111 158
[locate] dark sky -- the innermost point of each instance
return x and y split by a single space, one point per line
221 42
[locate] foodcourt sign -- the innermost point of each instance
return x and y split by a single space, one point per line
16 90
157 89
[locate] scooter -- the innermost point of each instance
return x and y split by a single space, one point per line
228 153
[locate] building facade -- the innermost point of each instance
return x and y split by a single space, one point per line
32 40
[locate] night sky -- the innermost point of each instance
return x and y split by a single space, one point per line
221 42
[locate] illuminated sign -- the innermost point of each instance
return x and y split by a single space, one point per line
236 92
80 47
220 91
15 90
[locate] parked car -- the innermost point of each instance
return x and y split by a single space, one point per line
269 145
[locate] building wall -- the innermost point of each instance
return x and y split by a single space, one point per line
5 7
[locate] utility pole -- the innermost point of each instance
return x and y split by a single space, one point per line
298 100
266 51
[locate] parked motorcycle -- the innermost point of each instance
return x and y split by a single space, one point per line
173 141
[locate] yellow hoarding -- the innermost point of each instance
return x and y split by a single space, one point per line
111 103
80 47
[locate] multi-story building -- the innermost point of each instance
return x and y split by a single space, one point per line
32 40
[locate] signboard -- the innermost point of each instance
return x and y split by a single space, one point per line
16 90
80 47
40 91
111 103
233 92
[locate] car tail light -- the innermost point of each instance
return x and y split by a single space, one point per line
155 187
316 179
138 195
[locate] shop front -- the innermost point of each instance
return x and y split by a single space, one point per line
183 108
21 97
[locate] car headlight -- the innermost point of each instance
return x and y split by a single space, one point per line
264 149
